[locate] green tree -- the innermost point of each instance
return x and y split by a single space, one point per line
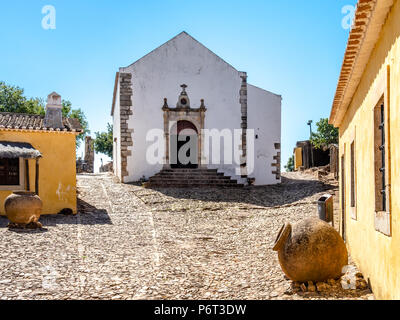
290 165
68 112
12 99
103 142
326 134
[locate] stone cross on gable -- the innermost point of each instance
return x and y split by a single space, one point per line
184 86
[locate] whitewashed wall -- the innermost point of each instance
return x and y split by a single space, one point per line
160 74
183 60
264 116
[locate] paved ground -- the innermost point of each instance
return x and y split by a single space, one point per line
134 243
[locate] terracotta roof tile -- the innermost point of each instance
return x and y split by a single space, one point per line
369 19
22 121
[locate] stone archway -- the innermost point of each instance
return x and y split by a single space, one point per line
185 122
184 141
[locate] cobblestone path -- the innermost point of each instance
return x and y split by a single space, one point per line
134 243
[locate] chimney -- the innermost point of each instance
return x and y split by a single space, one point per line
53 118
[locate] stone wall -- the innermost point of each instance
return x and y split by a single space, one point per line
125 111
243 109
89 155
277 162
108 167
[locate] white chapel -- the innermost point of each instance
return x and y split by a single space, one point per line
184 117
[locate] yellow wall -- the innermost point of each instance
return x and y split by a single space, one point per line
57 168
377 255
298 158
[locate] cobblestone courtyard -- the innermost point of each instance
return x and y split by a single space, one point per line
134 243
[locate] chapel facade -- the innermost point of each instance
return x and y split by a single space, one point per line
182 109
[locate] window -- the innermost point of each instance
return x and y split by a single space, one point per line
380 159
382 155
12 174
352 177
9 172
343 195
382 167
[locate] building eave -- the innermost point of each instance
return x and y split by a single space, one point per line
115 93
35 122
266 91
74 132
370 17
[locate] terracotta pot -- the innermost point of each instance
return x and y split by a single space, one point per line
23 207
311 250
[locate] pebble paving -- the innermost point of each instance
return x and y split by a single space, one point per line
128 242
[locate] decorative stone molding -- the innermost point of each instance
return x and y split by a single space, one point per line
183 100
125 88
183 111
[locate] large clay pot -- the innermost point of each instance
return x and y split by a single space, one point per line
23 207
311 250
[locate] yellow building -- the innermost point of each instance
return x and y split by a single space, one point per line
37 153
298 158
366 110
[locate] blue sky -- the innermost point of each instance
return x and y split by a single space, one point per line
292 48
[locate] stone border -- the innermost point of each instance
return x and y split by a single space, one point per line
243 104
277 162
125 82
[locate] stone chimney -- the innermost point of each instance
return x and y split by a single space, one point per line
53 118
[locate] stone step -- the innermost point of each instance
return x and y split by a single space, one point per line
190 173
194 171
182 186
188 177
193 178
190 181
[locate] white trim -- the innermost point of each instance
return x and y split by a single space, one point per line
383 223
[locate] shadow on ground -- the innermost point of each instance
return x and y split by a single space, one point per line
3 222
87 215
338 293
290 191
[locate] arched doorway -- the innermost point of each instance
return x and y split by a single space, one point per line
184 145
183 124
